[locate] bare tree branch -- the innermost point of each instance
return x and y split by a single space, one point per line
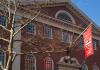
10 46
26 24
4 5
1 66
4 28
14 12
14 56
4 39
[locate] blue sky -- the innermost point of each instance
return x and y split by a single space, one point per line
91 8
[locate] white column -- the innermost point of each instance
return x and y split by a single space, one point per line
17 49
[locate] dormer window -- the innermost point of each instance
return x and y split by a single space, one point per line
64 16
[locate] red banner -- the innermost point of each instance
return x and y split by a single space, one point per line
88 46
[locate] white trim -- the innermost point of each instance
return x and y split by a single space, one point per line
51 32
62 37
63 11
34 28
35 61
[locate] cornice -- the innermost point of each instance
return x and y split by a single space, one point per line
53 4
55 22
27 13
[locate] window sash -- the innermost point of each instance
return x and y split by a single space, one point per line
31 28
48 63
64 17
29 62
3 21
48 31
2 58
65 37
84 67
94 45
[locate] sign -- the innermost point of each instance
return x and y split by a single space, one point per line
88 45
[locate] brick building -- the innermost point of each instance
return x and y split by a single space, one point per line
45 41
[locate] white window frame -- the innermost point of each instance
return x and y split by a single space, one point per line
50 31
63 11
68 37
34 58
50 59
33 27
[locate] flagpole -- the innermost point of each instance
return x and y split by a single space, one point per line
78 38
80 34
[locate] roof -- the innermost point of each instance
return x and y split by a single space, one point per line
27 2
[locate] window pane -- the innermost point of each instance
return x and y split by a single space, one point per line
3 20
29 62
64 17
65 37
95 67
84 67
95 44
48 31
81 44
1 59
31 28
48 63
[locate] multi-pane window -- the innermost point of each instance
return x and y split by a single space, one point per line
30 62
64 17
95 67
48 63
81 44
94 44
31 28
84 67
2 56
65 37
48 31
3 20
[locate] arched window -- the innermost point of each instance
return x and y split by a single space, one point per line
2 58
48 64
84 67
30 62
95 67
65 16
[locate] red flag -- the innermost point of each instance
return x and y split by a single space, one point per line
88 46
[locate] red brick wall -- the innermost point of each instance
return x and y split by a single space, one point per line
51 11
